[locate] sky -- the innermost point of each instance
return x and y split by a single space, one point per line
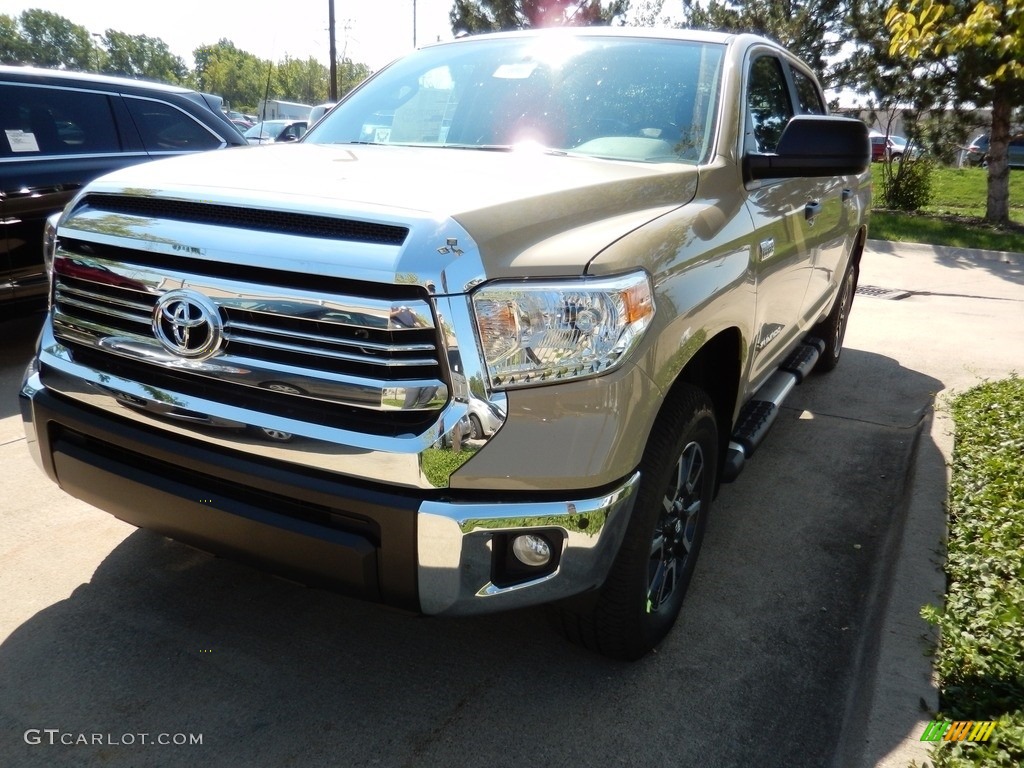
373 32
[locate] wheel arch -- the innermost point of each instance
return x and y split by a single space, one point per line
716 369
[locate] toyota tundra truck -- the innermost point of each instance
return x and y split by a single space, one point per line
491 335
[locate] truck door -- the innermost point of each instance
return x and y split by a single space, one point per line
832 197
782 211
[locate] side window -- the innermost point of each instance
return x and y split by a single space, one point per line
165 128
807 94
768 105
36 121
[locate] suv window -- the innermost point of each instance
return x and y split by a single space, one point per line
768 105
55 121
165 128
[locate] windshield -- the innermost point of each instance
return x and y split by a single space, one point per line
621 98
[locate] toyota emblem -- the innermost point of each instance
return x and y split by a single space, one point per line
188 324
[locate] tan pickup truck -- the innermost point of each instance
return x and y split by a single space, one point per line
491 335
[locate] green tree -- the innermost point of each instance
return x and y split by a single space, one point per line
975 51
304 81
812 29
55 42
496 15
142 56
238 76
351 74
12 44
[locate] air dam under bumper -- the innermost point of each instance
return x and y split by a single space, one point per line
436 556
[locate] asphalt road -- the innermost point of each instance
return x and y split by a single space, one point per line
108 633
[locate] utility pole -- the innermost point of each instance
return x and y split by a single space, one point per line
344 55
334 52
413 23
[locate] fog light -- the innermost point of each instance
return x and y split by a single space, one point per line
531 550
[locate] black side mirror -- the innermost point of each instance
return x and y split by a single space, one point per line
814 146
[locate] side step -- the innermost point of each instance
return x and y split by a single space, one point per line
763 408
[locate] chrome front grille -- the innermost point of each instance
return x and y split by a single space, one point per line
368 363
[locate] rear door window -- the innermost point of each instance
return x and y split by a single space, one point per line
807 94
165 128
37 121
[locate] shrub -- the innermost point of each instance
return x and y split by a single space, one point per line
907 184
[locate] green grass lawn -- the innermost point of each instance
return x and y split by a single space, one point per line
955 216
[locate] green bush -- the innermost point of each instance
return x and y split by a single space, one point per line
980 659
907 185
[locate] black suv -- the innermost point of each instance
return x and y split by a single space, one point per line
60 130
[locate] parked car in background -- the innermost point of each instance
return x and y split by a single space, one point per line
978 151
276 131
900 147
60 130
891 147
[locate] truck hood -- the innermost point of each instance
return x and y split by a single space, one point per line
522 211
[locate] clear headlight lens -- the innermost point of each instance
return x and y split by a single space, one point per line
50 240
545 331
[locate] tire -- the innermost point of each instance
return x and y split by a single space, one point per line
476 429
832 330
642 596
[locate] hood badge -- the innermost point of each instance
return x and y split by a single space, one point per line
188 324
451 246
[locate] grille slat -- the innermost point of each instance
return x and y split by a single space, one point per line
324 339
79 293
322 351
64 300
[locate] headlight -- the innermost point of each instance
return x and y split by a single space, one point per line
545 331
50 240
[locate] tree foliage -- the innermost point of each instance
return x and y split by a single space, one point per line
46 39
305 81
812 29
238 76
11 42
142 56
498 15
350 74
976 49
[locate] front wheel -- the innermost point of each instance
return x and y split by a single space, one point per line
641 598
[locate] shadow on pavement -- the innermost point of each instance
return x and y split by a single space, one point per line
18 333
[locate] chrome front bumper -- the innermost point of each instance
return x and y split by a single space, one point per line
456 549
431 555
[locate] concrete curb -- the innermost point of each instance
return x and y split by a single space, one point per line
948 252
902 695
